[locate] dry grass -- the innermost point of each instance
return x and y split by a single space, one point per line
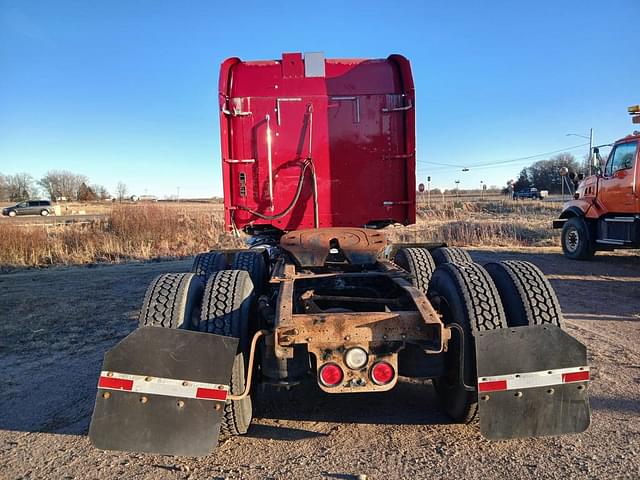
147 231
131 232
493 223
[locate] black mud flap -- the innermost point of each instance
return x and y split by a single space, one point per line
532 381
163 391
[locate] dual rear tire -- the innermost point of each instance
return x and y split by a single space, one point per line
474 299
478 299
211 299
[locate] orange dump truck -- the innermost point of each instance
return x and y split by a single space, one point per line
604 213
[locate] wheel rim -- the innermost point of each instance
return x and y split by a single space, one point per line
572 239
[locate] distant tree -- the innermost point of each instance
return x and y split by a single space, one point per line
545 174
19 186
523 181
4 187
62 183
121 190
101 192
86 194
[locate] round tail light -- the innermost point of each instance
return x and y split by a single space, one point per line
382 373
356 358
331 375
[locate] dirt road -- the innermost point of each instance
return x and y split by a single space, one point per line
55 325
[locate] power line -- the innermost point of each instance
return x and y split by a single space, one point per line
501 162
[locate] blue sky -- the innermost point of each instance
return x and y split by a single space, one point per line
126 90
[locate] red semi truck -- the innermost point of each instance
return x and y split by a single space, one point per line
318 156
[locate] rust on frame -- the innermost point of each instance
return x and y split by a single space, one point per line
311 248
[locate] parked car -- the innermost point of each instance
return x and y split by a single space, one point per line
529 192
31 207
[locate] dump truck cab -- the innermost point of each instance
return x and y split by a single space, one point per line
318 157
605 211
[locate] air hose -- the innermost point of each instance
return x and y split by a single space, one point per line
306 165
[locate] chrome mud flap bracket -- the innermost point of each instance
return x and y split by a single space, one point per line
532 381
163 391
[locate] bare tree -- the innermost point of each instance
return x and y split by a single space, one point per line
20 186
101 192
4 187
62 184
121 190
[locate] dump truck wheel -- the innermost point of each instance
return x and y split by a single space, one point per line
444 255
527 296
464 294
419 263
576 239
252 262
172 301
206 264
226 307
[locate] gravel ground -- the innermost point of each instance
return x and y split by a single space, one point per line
55 325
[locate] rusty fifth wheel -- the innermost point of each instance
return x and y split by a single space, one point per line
318 161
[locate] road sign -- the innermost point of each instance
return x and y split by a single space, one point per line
421 187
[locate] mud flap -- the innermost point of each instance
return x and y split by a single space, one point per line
163 391
532 381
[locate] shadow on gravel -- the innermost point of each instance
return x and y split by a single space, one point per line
615 404
51 395
555 263
408 403
281 433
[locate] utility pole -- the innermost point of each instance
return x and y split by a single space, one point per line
590 150
590 138
178 196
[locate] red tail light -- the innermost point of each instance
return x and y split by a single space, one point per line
331 375
382 373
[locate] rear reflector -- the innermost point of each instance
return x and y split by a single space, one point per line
496 386
162 386
211 394
382 373
544 378
582 376
115 383
331 375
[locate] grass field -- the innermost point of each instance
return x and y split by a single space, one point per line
160 230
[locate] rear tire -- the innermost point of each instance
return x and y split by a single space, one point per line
172 301
463 294
44 213
206 264
419 263
576 239
444 255
254 264
527 296
226 307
